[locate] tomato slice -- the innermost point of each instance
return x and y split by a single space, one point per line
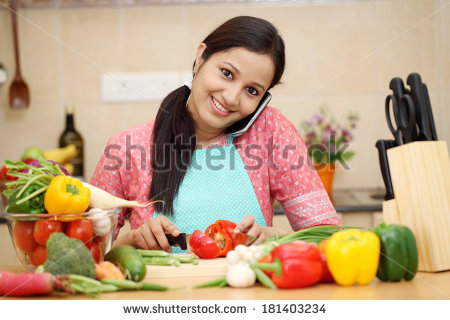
203 246
23 235
44 228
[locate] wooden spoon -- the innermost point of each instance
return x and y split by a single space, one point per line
19 95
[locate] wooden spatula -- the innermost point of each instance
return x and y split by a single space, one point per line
19 95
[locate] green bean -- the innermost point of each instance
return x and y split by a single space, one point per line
132 285
216 282
152 286
153 253
161 261
185 259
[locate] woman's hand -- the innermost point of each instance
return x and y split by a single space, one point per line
151 235
248 226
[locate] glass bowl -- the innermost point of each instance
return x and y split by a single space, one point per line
29 232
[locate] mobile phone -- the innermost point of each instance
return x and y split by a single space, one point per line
242 125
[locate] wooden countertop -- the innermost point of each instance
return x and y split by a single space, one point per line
425 286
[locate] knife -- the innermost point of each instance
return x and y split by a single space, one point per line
422 118
382 146
430 113
183 240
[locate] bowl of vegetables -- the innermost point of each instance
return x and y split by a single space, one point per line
30 232
45 199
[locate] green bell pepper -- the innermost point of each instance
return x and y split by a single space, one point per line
27 202
399 256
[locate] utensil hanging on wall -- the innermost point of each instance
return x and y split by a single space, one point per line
19 94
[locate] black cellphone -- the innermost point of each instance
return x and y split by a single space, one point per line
242 125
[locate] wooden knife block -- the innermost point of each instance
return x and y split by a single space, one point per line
420 174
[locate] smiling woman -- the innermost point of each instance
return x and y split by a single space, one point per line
198 167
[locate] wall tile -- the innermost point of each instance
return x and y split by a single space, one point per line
92 45
40 54
344 44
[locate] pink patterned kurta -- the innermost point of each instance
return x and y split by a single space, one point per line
272 151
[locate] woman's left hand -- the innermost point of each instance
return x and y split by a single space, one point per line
248 226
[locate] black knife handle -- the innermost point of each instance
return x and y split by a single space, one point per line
180 240
382 146
422 118
430 113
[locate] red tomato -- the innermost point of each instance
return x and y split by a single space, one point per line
95 252
38 256
81 229
44 228
203 246
23 235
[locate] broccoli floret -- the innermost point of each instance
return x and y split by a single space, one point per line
68 256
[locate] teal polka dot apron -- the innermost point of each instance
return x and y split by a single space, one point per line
216 186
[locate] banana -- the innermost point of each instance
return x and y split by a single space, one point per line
61 155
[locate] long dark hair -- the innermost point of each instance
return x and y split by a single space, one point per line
174 131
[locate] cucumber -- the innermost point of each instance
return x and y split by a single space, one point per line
129 261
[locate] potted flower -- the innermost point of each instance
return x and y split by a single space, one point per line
327 141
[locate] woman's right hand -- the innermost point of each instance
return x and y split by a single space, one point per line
151 235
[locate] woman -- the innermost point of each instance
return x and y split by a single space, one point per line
191 159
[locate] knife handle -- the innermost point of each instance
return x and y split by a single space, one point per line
382 146
430 113
422 118
180 240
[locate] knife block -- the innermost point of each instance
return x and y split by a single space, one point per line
420 173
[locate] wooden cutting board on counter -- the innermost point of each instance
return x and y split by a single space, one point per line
205 268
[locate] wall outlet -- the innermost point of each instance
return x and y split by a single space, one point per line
139 86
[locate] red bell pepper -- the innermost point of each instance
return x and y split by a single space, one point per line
294 265
203 246
221 237
326 276
223 230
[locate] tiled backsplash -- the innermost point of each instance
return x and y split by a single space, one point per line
339 53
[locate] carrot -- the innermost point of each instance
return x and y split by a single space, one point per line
104 200
25 284
107 270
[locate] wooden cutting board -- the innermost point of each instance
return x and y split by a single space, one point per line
205 268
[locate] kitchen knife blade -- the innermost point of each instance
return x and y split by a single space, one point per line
430 113
382 146
422 118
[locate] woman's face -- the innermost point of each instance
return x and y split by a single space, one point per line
228 87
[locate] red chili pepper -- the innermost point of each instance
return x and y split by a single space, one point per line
203 246
295 265
221 237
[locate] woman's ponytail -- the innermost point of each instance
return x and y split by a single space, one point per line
173 146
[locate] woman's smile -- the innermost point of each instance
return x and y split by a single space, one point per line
218 108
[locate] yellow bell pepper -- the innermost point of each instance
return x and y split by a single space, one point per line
66 195
353 256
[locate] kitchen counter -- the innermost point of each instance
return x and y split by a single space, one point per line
425 286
